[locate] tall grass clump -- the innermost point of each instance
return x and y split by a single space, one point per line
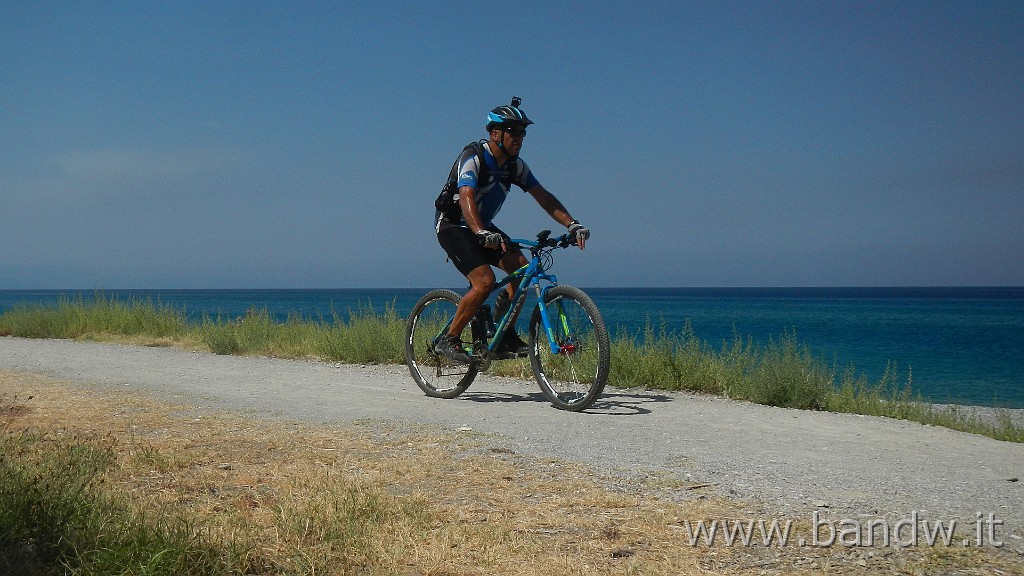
364 337
664 360
56 518
782 373
890 398
785 373
886 397
77 318
258 333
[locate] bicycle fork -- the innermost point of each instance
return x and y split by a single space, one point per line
566 347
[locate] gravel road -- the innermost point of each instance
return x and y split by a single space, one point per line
780 461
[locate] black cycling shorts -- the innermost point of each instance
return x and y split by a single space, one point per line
465 250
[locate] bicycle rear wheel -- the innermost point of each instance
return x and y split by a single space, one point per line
574 377
434 374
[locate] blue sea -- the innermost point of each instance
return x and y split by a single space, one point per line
961 345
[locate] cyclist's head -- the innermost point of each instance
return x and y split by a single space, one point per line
508 118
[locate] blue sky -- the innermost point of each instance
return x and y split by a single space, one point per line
300 145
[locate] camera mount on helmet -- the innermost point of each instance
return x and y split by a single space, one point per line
507 116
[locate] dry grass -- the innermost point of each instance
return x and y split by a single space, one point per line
416 501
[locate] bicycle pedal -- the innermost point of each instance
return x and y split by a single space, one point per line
481 361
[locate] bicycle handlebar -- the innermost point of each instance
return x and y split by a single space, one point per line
544 240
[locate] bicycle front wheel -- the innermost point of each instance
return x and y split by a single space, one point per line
434 374
573 377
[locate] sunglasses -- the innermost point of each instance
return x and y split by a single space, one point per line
515 131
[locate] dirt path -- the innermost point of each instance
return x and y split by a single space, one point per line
779 460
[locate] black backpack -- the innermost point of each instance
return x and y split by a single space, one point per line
447 202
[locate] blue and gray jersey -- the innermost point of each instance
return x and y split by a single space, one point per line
491 193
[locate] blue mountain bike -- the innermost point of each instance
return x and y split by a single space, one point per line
568 342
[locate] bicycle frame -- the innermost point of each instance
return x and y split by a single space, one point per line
529 275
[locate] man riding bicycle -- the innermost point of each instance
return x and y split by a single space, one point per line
469 236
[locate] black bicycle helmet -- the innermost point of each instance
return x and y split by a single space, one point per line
507 116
